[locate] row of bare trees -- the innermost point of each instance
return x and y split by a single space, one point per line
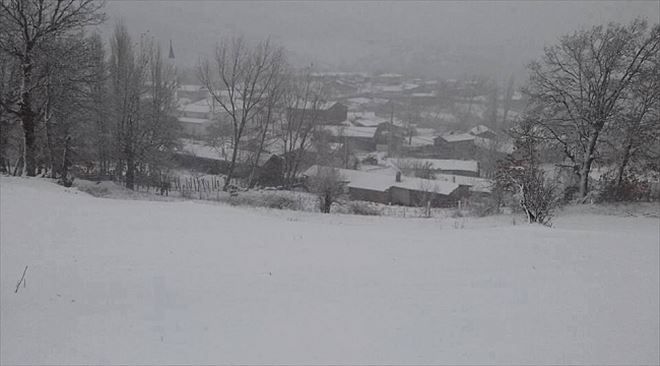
264 102
63 101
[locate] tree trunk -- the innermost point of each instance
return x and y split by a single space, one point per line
130 173
624 163
30 150
27 117
232 166
17 166
251 180
130 169
586 165
326 204
64 172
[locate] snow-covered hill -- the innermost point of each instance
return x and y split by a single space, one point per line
135 282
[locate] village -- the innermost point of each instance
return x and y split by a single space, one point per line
329 182
394 140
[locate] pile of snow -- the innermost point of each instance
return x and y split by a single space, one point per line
133 282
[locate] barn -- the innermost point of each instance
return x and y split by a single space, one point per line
397 189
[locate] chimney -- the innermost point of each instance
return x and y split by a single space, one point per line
398 177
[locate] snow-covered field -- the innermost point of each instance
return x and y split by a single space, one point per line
147 282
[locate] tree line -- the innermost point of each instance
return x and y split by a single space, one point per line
63 99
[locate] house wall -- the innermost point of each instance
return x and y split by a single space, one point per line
193 114
210 166
462 192
336 114
359 194
193 95
333 116
362 143
465 173
462 149
409 197
487 135
401 196
194 129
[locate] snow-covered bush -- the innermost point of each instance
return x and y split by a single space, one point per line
327 185
264 199
520 174
629 188
363 208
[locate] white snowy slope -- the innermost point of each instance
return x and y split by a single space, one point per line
135 282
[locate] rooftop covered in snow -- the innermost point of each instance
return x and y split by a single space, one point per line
382 182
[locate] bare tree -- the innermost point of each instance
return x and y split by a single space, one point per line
70 71
520 174
577 87
142 97
127 73
99 107
639 127
327 183
268 114
239 79
303 101
27 26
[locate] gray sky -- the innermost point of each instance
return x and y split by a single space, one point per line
441 37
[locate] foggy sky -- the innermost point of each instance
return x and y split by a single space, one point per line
444 38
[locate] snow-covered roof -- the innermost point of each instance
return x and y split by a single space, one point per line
201 106
198 149
191 88
320 106
458 137
505 147
339 73
194 120
397 88
420 141
359 100
481 185
440 116
383 182
379 169
430 132
390 75
478 130
202 150
439 164
421 95
391 88
351 131
365 119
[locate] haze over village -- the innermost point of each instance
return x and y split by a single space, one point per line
329 182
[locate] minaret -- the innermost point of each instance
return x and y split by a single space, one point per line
172 61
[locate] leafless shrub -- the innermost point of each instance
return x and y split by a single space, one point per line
363 208
328 186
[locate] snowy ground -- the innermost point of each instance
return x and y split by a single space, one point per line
182 282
